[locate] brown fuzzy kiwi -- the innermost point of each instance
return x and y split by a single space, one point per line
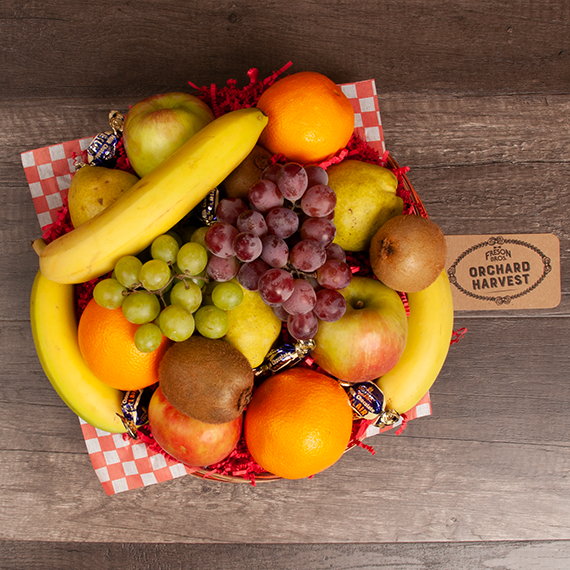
247 173
408 253
208 380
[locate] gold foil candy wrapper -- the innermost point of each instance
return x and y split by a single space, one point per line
135 410
368 403
104 146
284 357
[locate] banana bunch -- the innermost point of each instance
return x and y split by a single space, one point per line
430 327
54 328
157 202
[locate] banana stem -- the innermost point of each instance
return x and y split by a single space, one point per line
38 245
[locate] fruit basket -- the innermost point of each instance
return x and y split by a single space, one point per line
121 463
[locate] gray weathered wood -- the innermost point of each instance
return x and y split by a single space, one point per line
136 556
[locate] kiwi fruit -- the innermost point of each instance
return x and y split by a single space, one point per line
247 173
408 253
206 379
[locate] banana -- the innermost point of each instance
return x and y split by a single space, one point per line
430 326
54 328
155 203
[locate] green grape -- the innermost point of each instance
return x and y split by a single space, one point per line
227 295
148 337
176 323
192 258
154 274
108 293
198 236
127 271
141 307
176 236
186 294
211 321
200 282
165 248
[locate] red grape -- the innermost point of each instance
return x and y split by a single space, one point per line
275 251
229 209
307 255
280 313
271 172
302 300
282 222
316 175
222 268
220 238
318 201
292 180
334 274
330 305
264 195
247 246
303 326
319 229
252 221
275 286
335 251
249 273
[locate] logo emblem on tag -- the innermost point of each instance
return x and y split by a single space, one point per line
502 271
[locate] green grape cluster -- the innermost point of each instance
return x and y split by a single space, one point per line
171 293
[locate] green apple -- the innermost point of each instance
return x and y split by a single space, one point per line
94 188
369 339
365 199
155 127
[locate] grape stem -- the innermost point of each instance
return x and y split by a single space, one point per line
298 274
140 288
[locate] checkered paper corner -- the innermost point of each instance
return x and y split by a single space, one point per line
49 171
120 463
367 120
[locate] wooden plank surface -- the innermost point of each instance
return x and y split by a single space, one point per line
418 556
475 99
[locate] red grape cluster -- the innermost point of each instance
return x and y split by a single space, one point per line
280 243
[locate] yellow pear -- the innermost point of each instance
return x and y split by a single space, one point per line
253 327
365 200
94 188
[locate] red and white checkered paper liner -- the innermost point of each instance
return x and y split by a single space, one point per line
122 463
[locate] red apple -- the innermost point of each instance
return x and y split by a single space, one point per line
155 127
369 339
190 441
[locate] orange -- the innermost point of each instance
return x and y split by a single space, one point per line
310 118
298 423
106 342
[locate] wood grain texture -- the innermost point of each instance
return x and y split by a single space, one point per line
409 46
427 556
474 99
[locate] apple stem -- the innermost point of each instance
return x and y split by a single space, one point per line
359 305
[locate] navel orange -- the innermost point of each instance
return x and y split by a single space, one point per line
298 423
106 342
310 118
